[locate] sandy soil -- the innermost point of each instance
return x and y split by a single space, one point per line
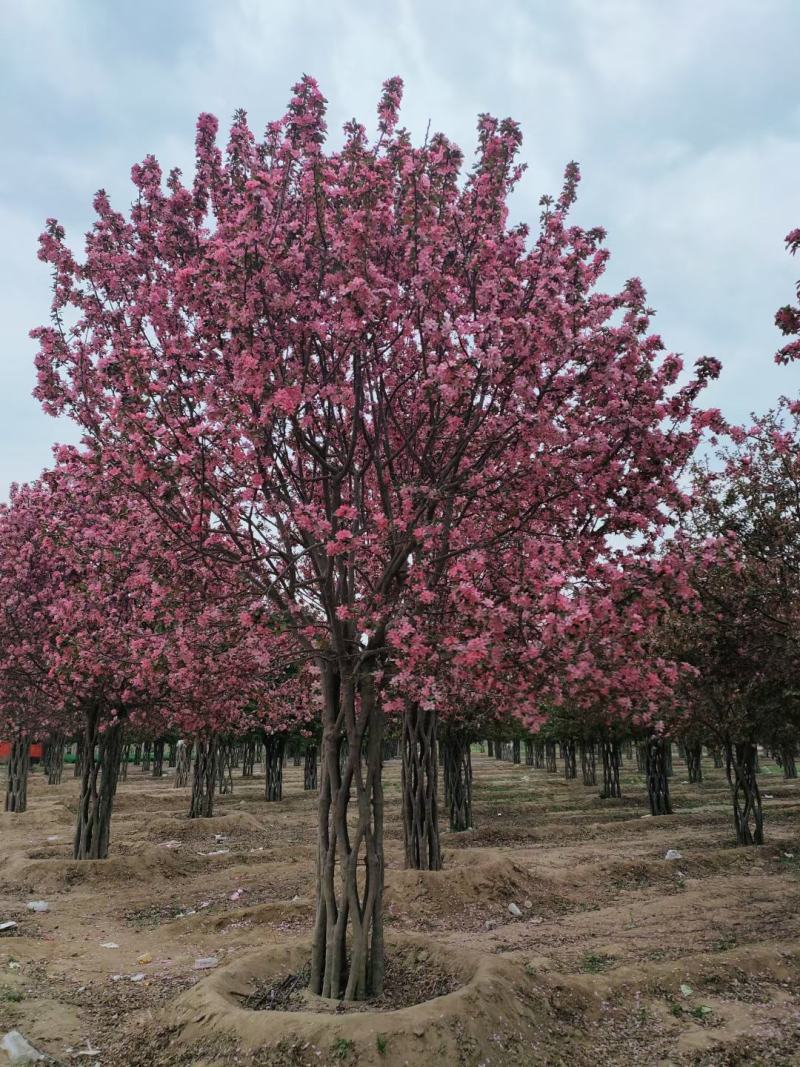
619 956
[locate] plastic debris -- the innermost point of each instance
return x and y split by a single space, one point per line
205 963
38 905
528 903
136 977
218 852
537 920
236 894
686 990
10 925
13 965
204 904
54 837
220 837
109 944
144 958
185 914
673 854
19 1050
170 844
514 910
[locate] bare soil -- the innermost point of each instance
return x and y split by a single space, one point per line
619 956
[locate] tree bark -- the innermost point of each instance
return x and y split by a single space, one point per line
610 753
225 767
570 761
550 757
538 755
515 750
588 763
204 780
458 778
347 960
18 767
490 747
147 748
657 778
418 777
788 761
124 761
694 762
55 758
158 758
310 768
748 817
183 760
102 755
248 758
274 746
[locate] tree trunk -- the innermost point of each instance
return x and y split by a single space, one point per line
716 756
550 757
158 758
748 817
77 766
310 768
570 762
18 766
528 752
204 780
137 755
694 762
248 758
225 767
55 758
172 755
515 750
788 761
668 757
347 960
458 778
274 745
183 760
418 779
588 763
490 747
657 778
102 754
124 761
538 755
610 752
146 751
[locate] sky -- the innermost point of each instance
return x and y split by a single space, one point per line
684 117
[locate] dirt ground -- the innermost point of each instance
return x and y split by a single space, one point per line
618 956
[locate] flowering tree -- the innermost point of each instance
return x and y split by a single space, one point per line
787 319
346 374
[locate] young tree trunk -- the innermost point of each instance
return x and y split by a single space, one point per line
172 755
588 763
570 761
490 747
274 745
748 817
137 755
458 778
418 778
55 758
528 752
183 760
657 778
610 753
310 768
347 960
538 755
77 767
124 761
716 756
248 758
694 762
627 748
146 751
18 766
788 761
158 758
498 749
550 757
668 757
102 755
515 750
204 780
225 767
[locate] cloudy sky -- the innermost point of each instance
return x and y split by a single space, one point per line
685 118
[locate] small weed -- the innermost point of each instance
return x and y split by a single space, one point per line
342 1048
530 968
722 944
11 996
380 1043
596 963
702 1011
676 1010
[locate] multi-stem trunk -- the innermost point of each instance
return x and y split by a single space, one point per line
55 758
274 746
528 752
248 758
694 761
225 767
102 756
550 757
788 761
657 778
611 759
310 768
588 763
347 960
458 778
418 779
515 750
490 747
748 817
183 759
18 767
538 755
158 758
146 756
204 780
